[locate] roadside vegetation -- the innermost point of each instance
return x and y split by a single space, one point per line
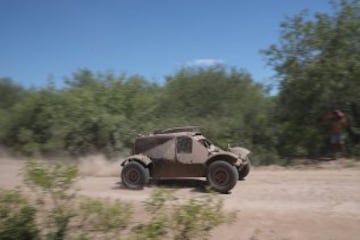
48 207
317 65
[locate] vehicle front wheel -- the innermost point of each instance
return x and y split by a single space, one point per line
134 175
244 171
222 176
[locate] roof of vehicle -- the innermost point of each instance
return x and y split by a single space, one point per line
177 131
192 129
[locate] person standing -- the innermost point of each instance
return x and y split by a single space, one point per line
338 123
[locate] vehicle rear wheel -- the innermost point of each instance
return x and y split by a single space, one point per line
222 176
134 175
244 171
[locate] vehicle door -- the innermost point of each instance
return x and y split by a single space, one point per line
184 149
189 150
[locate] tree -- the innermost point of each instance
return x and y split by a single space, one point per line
318 68
104 113
10 93
226 102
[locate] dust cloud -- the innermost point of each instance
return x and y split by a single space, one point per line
96 165
99 166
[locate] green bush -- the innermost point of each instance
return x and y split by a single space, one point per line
61 214
104 218
172 218
197 217
53 185
158 226
17 217
103 113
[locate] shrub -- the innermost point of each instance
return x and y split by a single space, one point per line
57 213
17 217
53 186
172 219
196 218
103 217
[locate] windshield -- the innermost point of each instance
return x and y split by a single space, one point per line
206 143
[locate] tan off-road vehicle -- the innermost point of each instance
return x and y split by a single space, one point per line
183 152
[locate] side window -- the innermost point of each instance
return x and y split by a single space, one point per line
184 145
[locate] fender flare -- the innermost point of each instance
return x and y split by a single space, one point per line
229 157
142 159
240 151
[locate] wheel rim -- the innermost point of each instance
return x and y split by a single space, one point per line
221 176
133 176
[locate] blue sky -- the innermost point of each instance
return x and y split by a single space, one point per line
42 39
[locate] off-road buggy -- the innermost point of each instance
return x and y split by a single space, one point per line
183 152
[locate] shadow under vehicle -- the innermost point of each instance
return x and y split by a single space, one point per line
183 152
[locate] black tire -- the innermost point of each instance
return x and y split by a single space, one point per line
244 171
222 176
134 175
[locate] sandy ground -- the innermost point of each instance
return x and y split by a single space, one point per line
273 203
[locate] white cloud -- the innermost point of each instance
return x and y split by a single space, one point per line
205 62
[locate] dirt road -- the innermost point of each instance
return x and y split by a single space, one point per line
272 203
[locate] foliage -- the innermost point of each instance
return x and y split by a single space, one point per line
197 217
104 113
53 211
61 214
158 226
317 64
10 93
53 184
95 113
226 103
55 178
184 219
106 218
17 217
